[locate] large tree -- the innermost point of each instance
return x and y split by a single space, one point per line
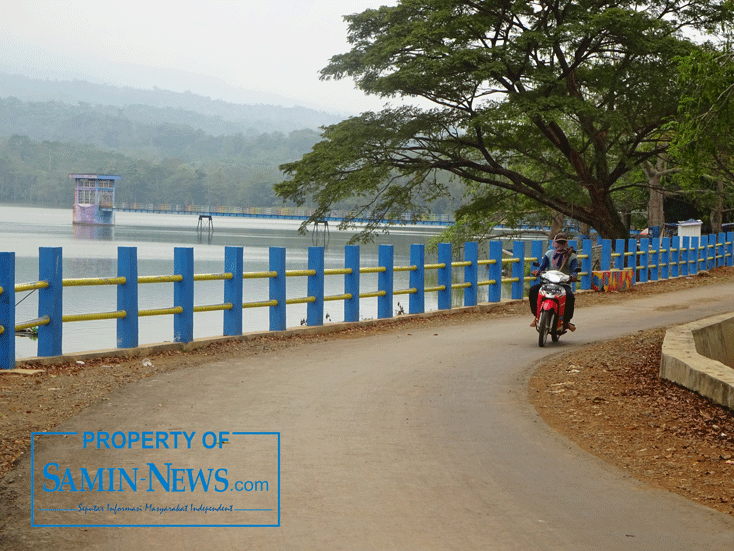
704 142
555 100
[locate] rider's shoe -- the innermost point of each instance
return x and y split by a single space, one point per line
569 327
533 324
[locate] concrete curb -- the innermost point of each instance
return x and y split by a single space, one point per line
682 363
156 348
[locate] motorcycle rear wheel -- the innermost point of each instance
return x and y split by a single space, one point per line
544 325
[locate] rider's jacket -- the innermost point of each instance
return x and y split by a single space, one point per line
569 266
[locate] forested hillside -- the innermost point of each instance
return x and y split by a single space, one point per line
179 148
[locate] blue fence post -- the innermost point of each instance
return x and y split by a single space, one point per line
183 294
586 263
693 256
417 300
127 297
631 261
518 269
703 247
675 256
721 248
664 257
50 301
730 249
644 259
351 283
494 272
315 310
574 245
233 264
713 250
277 288
685 245
655 259
619 249
536 253
471 272
385 281
445 256
606 255
7 310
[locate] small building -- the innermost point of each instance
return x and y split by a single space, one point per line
94 199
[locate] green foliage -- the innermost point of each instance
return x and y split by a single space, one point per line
37 172
703 138
554 101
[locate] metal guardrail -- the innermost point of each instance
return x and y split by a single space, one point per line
651 259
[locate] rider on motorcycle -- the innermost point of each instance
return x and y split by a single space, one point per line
563 258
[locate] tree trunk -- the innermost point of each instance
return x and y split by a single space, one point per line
655 211
717 213
556 223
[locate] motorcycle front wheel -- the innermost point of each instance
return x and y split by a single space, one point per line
544 325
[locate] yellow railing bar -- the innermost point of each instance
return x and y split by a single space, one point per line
213 307
213 277
373 270
160 311
486 262
510 279
461 263
294 273
405 268
434 266
346 296
91 317
614 255
488 282
410 291
338 271
302 300
88 281
433 289
43 320
160 279
461 285
260 304
257 275
20 287
372 294
2 329
583 256
510 260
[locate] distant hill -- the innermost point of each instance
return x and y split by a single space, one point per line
158 106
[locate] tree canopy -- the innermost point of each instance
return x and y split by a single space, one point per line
555 100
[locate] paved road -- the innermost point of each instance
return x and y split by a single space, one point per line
407 441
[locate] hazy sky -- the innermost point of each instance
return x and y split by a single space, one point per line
205 46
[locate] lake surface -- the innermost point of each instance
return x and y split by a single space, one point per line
92 252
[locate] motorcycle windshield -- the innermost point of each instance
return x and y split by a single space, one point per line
554 276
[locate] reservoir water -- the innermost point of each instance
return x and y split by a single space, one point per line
92 252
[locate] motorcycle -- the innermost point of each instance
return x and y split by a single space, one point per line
549 319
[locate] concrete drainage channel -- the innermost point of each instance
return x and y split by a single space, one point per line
700 357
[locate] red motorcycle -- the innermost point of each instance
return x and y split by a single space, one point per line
549 318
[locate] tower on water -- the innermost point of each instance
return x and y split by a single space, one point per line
94 199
